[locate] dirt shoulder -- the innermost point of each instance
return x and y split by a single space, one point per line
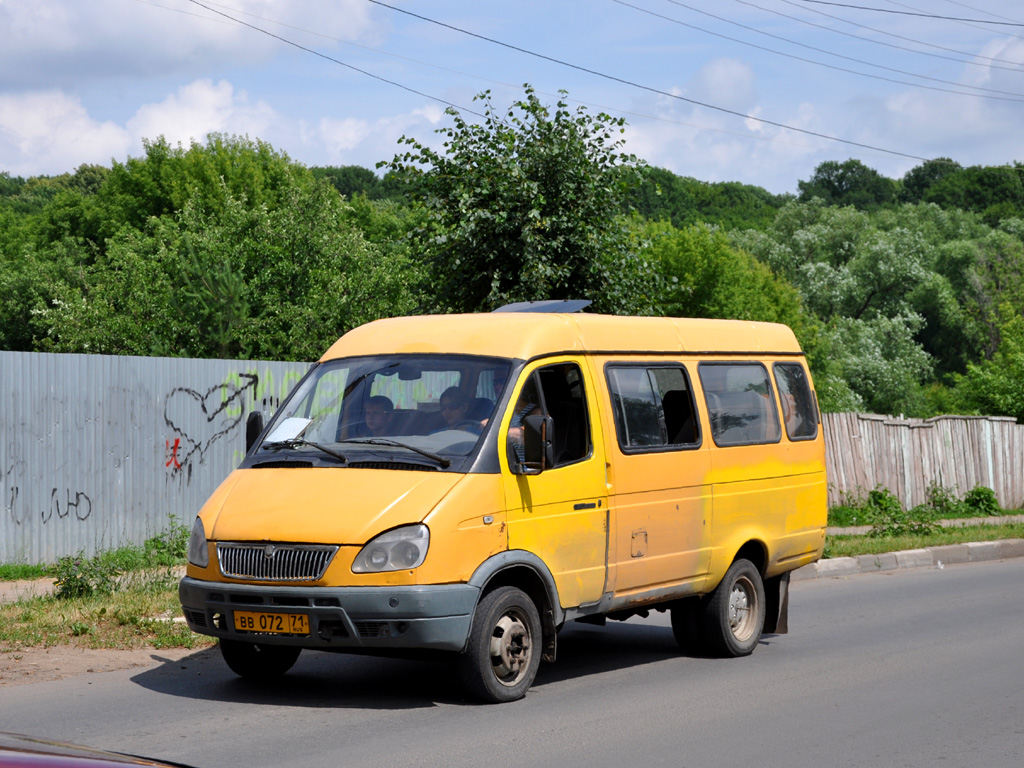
41 665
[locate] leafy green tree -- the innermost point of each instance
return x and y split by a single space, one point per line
683 200
993 193
525 205
351 180
996 387
243 282
848 183
918 180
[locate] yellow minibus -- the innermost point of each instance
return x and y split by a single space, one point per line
469 483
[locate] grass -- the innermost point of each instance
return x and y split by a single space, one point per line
138 615
20 571
851 546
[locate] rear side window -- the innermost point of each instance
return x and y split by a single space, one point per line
798 410
740 403
653 407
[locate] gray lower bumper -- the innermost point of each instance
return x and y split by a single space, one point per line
436 616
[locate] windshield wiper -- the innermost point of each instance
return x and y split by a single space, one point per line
445 463
296 442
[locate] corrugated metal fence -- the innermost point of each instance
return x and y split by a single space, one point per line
907 455
97 451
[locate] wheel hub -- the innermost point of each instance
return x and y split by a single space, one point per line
510 649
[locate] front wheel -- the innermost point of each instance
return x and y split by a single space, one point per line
258 662
504 648
734 613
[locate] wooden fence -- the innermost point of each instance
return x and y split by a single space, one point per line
863 451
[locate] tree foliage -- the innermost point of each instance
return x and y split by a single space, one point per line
525 205
848 183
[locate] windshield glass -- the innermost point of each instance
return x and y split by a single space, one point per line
416 408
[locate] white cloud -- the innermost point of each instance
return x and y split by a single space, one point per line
200 108
52 133
61 43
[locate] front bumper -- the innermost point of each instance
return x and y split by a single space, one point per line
435 616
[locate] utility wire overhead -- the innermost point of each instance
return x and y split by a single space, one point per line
1018 96
962 22
467 75
1015 64
914 13
876 42
979 10
648 88
332 59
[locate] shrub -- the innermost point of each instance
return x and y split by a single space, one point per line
982 501
888 518
80 576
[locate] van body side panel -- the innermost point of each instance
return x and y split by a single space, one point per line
661 510
561 515
772 493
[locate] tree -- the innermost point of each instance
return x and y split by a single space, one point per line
919 179
996 387
848 183
526 205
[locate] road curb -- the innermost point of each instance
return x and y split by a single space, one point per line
930 557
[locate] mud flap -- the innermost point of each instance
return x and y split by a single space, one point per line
776 596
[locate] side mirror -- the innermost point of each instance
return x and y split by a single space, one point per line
538 444
253 429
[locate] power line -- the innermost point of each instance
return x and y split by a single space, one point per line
648 88
331 59
1016 64
1019 96
617 110
914 13
875 42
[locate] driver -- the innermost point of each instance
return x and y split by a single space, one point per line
455 410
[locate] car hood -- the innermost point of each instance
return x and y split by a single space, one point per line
321 505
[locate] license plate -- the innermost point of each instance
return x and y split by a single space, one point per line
274 623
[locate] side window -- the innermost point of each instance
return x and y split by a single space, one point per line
798 409
740 403
557 391
653 407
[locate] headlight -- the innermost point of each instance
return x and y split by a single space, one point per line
397 550
198 554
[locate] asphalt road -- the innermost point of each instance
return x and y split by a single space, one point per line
919 667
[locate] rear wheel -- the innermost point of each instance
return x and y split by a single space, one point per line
734 614
258 662
504 649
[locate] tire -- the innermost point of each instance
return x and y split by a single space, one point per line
258 662
687 625
735 610
504 648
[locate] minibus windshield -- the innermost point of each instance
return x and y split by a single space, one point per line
423 408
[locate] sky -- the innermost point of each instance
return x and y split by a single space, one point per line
755 91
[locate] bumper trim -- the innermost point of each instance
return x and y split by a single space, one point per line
434 616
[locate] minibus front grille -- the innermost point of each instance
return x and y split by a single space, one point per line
274 562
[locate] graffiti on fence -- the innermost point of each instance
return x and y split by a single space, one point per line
81 506
219 410
9 492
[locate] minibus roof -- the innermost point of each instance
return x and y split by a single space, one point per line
535 334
